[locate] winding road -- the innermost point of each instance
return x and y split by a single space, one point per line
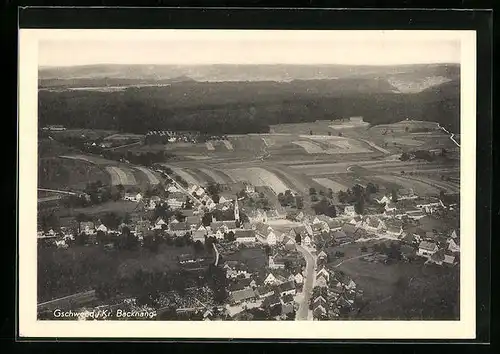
303 311
452 135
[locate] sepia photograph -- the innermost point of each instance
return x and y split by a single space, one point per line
245 176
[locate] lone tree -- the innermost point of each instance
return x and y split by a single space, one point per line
298 239
359 206
394 195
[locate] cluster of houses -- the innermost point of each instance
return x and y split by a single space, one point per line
272 289
334 292
438 248
169 136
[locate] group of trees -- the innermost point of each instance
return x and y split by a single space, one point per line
226 107
287 199
325 207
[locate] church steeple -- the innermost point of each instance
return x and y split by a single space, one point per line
236 210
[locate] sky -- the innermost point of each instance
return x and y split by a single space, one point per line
240 48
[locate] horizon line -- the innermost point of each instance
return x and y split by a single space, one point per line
247 64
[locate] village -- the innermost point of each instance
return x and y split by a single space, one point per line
298 278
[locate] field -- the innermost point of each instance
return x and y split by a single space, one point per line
120 207
57 173
121 176
328 183
420 188
151 176
259 177
118 173
396 291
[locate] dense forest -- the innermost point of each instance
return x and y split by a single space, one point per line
247 107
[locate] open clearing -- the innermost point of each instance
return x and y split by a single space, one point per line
151 177
259 177
328 183
119 176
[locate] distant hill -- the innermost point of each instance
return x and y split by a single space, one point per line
248 107
150 74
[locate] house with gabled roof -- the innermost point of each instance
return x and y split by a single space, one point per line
342 237
384 200
271 238
264 291
349 210
299 278
159 223
306 240
87 227
270 279
179 228
276 263
319 312
373 224
271 301
244 295
427 249
394 228
102 228
322 255
287 288
334 225
244 236
321 281
453 246
193 221
356 221
324 273
198 235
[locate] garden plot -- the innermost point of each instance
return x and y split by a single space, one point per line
121 176
259 177
329 183
151 177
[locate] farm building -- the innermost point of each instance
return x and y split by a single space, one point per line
276 263
264 291
133 197
240 296
287 288
427 249
199 235
349 210
179 228
245 236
